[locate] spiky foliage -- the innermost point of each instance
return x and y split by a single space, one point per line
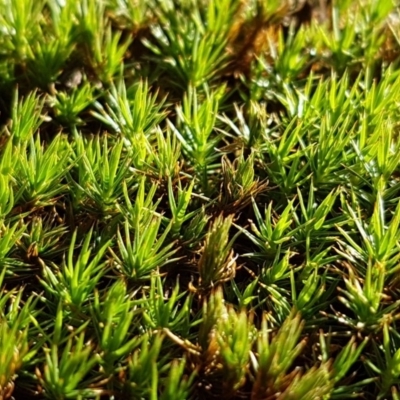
199 199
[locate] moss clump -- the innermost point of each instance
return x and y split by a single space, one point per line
199 199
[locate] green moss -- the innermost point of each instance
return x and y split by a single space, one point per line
199 199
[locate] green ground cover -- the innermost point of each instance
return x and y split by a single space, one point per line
199 199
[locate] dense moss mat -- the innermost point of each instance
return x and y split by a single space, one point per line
199 199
